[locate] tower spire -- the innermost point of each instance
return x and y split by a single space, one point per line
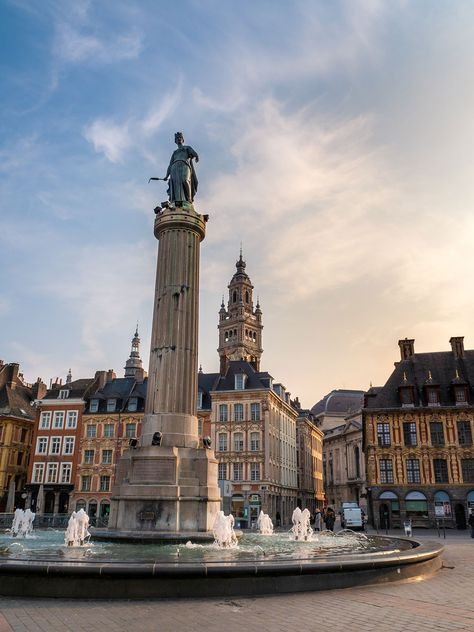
134 366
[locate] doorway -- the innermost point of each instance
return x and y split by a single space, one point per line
384 515
460 516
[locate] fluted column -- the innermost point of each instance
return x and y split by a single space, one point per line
172 378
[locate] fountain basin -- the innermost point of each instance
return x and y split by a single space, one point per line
223 573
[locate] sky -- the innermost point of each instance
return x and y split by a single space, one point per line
336 144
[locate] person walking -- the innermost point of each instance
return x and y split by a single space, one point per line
330 519
317 520
470 522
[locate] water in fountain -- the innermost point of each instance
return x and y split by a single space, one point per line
301 529
223 531
265 524
77 533
22 523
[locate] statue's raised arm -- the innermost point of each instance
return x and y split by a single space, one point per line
181 176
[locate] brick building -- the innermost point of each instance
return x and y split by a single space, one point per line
418 438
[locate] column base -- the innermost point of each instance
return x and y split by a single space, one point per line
169 489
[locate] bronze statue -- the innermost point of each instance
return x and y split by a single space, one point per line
180 175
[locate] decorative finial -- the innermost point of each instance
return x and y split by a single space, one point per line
457 375
69 377
200 368
430 377
405 376
136 330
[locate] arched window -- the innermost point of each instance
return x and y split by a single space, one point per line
416 505
246 296
234 296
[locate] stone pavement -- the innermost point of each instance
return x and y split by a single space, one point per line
443 602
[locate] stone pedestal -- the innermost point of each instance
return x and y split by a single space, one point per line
171 487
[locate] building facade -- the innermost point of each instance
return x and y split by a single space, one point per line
54 461
17 421
309 452
418 439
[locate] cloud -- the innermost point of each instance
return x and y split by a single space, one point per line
75 46
109 138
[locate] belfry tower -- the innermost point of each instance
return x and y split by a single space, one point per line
134 365
240 325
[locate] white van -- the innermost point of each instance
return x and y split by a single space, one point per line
352 517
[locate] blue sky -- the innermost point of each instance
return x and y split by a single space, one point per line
335 142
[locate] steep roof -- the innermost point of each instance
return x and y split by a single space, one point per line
255 379
339 402
77 388
15 396
443 366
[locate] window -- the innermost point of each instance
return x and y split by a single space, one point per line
66 470
254 471
255 412
467 466
406 395
409 433
45 421
55 445
223 413
107 457
111 405
437 433
58 421
255 441
222 442
238 412
432 396
464 433
460 395
41 445
104 483
68 446
440 467
86 483
131 431
108 430
91 431
238 471
94 405
413 471
132 404
88 457
239 381
386 470
38 472
63 394
222 471
238 442
52 473
200 427
199 400
383 435
71 419
24 434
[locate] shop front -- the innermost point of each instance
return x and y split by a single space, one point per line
240 511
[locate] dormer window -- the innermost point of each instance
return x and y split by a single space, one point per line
94 406
199 400
111 405
407 396
240 381
132 404
64 394
432 395
460 395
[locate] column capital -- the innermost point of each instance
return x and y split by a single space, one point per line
181 218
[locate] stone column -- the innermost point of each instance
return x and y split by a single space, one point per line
172 378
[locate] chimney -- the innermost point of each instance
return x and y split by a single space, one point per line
39 389
100 379
13 374
457 346
407 348
111 375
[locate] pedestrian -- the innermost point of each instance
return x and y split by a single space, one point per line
317 520
330 519
470 522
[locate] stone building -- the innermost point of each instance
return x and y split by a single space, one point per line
309 445
17 418
55 441
112 418
338 415
418 439
252 421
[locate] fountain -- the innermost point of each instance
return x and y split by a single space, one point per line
223 531
22 523
77 533
264 524
301 529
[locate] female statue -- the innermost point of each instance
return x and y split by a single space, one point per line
182 180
